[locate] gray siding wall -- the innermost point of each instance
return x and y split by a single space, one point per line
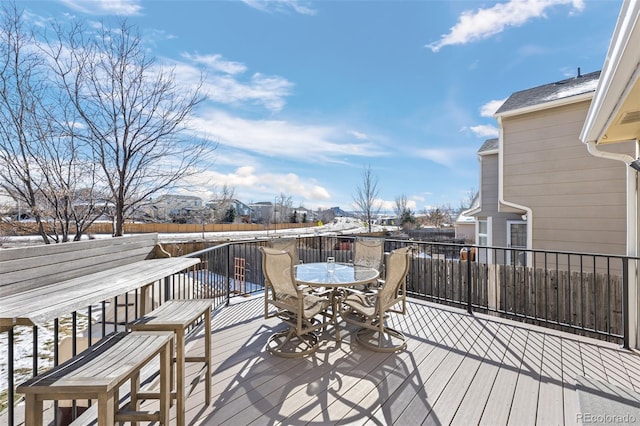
578 200
489 200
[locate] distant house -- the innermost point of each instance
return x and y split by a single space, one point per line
465 228
242 212
171 206
304 213
558 195
263 212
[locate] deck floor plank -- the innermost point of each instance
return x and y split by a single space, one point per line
572 368
525 399
475 399
550 399
498 405
449 401
422 404
403 395
395 386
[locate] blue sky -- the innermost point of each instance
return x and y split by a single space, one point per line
303 95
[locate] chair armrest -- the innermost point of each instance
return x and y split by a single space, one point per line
360 292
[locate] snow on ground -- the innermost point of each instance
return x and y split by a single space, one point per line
341 225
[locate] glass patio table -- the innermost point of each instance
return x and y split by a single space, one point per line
334 276
343 275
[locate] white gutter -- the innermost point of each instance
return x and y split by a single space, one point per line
501 200
593 150
632 193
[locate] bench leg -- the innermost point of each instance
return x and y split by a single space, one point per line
106 409
166 363
180 408
33 410
135 388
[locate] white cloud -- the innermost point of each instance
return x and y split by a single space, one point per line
216 63
485 131
280 6
106 7
225 83
279 138
253 184
490 108
358 135
484 23
447 157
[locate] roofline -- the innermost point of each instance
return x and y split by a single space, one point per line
471 212
489 151
546 105
619 73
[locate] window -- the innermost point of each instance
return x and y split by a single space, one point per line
482 233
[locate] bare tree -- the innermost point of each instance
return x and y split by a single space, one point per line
467 202
283 204
406 218
41 166
438 216
134 114
366 196
223 201
21 94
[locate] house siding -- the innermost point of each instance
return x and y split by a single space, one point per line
489 201
577 200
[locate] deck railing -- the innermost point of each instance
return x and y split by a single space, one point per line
577 292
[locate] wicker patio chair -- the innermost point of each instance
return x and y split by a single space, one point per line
295 307
370 309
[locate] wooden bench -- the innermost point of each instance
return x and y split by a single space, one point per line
40 283
99 372
177 316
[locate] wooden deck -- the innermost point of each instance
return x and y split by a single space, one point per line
458 369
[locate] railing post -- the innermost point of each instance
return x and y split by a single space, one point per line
625 303
469 306
10 384
167 287
227 275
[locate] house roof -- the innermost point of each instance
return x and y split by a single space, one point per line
563 89
489 145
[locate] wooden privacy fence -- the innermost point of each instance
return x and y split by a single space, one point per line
22 228
588 302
